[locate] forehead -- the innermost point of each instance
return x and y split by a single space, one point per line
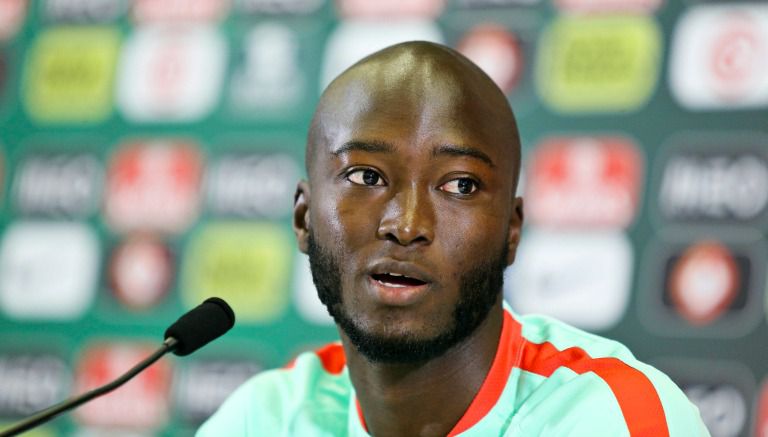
414 103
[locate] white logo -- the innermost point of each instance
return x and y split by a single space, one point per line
580 278
724 185
48 270
171 73
354 40
270 77
720 57
252 185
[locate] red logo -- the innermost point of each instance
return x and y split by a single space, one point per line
154 186
496 51
704 282
584 181
179 10
11 16
140 403
141 271
391 8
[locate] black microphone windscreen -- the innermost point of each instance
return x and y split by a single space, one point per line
200 325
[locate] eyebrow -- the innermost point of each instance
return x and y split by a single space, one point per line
382 147
468 151
363 146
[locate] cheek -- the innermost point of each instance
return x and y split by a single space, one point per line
343 223
467 238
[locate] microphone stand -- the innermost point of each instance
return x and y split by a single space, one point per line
49 413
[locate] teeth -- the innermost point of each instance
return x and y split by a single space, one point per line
389 284
395 274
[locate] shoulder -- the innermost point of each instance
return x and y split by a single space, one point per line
276 402
584 379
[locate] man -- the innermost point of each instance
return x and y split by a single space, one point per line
409 218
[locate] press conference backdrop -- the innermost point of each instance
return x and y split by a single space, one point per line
150 150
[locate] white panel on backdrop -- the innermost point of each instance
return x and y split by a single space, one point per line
48 269
171 73
581 278
719 57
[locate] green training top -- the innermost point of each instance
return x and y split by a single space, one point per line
547 379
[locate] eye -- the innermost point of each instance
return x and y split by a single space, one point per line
365 177
461 186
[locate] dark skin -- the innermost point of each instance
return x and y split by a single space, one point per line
412 158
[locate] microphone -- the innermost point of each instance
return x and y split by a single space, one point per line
198 327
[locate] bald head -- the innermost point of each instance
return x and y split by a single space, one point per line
411 84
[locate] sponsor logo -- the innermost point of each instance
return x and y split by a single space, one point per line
580 278
31 382
252 185
171 73
704 286
722 391
719 57
497 51
305 294
390 9
277 7
154 185
269 82
645 6
204 385
584 181
246 264
69 75
58 185
84 11
598 63
12 14
761 418
355 39
701 184
141 271
201 11
48 270
142 402
703 282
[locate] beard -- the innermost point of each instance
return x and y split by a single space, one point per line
479 288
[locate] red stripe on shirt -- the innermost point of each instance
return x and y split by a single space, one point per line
332 358
637 398
634 392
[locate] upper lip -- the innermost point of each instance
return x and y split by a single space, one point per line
400 268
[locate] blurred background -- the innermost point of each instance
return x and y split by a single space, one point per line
149 151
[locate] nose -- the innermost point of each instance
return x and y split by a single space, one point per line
409 218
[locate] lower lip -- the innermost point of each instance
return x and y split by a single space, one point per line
397 295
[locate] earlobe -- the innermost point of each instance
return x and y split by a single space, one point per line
301 215
515 229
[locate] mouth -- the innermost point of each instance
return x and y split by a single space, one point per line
396 280
395 283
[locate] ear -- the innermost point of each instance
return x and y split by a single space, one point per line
301 215
515 228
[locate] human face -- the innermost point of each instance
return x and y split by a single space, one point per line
411 192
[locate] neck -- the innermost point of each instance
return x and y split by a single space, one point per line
415 398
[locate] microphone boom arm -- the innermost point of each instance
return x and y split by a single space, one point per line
169 345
